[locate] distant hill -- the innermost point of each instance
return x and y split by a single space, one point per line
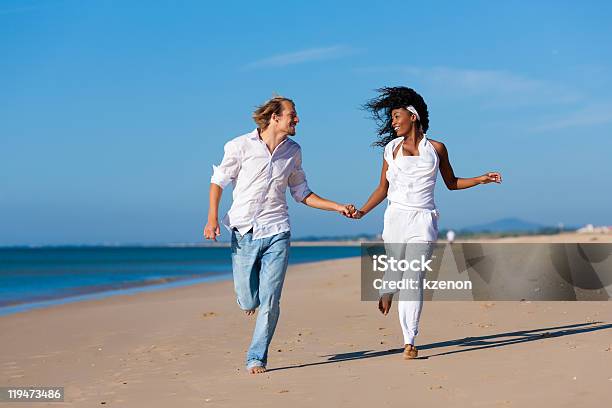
506 225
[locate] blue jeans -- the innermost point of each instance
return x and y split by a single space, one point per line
259 267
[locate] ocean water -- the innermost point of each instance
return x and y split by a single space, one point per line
39 277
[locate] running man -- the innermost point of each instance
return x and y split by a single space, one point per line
260 165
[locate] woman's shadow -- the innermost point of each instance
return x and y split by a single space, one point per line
468 343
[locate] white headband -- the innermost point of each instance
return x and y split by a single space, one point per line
410 108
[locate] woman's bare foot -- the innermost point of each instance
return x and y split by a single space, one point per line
257 370
410 352
250 312
384 303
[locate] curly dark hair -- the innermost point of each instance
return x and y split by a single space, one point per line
393 98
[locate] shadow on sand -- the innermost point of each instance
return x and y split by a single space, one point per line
467 343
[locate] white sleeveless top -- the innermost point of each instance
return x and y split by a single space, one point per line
412 179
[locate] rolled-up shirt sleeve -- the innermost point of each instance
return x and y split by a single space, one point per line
227 171
297 180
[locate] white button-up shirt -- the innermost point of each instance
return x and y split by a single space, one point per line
260 181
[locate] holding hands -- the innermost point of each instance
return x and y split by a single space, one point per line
349 211
346 209
357 214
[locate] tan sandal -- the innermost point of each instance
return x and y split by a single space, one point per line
410 352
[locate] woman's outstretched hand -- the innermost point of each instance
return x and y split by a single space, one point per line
492 177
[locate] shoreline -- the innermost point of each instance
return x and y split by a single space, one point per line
89 293
95 294
105 285
160 284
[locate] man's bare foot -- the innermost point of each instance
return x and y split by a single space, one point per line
257 370
410 352
250 312
384 303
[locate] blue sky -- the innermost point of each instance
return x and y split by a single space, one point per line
113 112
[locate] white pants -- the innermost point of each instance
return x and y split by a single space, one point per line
408 234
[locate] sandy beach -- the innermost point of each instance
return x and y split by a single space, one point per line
186 347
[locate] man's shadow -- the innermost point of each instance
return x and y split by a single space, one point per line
470 343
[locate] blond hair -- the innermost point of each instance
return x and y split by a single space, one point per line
263 113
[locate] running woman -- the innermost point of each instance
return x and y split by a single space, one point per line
409 170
